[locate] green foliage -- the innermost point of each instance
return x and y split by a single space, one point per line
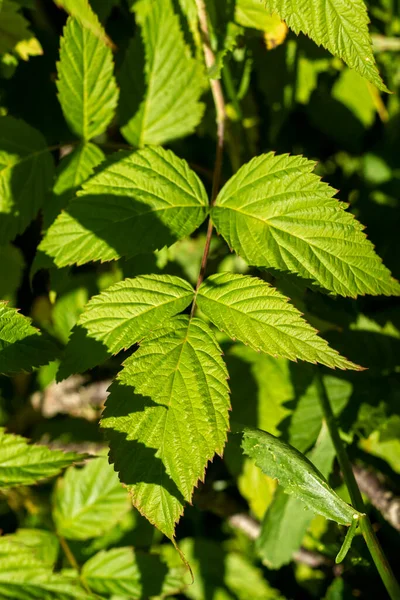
166 101
137 203
296 474
24 464
186 397
276 213
169 257
86 85
88 501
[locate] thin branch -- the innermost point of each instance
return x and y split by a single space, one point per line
385 501
219 102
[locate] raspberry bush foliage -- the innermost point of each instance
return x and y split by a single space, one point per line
198 333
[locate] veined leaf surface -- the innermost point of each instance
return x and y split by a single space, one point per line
253 312
138 203
341 26
23 464
276 213
121 315
162 439
296 474
167 101
22 347
87 88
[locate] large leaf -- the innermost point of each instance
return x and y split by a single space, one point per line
164 103
72 171
341 26
81 353
286 521
296 474
276 213
22 463
26 176
162 439
22 347
253 312
138 203
126 573
87 88
121 315
89 501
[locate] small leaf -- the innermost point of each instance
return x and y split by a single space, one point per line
87 88
167 100
72 171
24 158
22 347
347 541
274 212
121 316
22 463
42 545
338 25
83 13
126 573
162 439
253 312
296 474
138 203
15 34
89 501
11 270
81 354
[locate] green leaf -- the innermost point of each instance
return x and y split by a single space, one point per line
253 312
22 347
296 474
340 26
286 521
86 85
26 176
164 106
124 572
138 203
121 316
81 353
89 501
276 213
23 577
72 171
22 463
15 34
181 378
42 545
83 13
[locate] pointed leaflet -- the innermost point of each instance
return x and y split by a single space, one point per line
22 347
165 105
89 501
276 213
253 312
87 88
23 464
162 440
26 176
121 315
341 26
82 11
137 203
72 171
296 474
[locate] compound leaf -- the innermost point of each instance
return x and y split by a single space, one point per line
86 85
121 315
26 176
275 212
341 26
167 100
296 474
253 312
89 501
162 439
22 463
22 347
138 203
